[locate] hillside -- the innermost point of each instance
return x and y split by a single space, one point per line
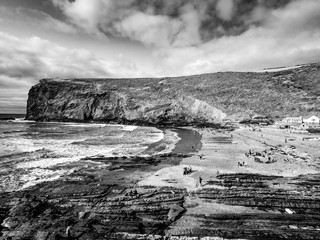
206 98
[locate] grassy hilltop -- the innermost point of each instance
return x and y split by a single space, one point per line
179 100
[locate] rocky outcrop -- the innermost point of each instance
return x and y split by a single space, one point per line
98 100
188 100
275 208
287 208
91 211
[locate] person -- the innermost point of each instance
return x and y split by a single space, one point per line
185 170
200 181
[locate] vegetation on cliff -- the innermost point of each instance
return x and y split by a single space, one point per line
184 100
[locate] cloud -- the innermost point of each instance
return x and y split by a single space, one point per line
24 61
159 23
196 36
225 9
47 22
149 29
37 19
35 57
284 36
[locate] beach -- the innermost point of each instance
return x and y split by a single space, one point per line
240 195
221 151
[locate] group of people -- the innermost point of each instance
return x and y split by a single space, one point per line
243 164
187 170
132 192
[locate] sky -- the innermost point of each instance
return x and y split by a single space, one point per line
148 38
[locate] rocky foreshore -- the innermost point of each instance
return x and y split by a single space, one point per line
84 207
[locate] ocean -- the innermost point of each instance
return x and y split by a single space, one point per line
34 152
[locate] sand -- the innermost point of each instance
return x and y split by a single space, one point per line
221 152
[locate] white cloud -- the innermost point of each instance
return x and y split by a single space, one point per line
36 57
225 9
240 35
287 36
149 29
122 18
24 61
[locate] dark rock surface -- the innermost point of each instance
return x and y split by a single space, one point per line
91 209
112 101
272 196
190 100
94 209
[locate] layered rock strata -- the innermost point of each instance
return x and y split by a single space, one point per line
93 209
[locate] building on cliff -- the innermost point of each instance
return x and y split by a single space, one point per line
312 121
292 120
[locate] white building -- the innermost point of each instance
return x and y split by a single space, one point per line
291 120
312 121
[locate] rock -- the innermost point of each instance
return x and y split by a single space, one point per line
84 215
90 213
174 212
84 100
41 235
260 159
10 222
190 100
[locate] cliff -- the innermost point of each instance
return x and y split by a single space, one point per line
206 98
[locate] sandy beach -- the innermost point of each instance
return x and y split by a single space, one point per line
221 151
219 156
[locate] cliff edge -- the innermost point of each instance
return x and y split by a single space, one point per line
198 99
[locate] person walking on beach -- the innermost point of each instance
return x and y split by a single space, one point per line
200 181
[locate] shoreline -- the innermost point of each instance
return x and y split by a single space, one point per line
137 195
221 151
31 167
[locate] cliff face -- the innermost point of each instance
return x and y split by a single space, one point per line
207 98
100 100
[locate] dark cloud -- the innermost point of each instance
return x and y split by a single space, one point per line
216 18
198 36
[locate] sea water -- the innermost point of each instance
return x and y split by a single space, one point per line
33 152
